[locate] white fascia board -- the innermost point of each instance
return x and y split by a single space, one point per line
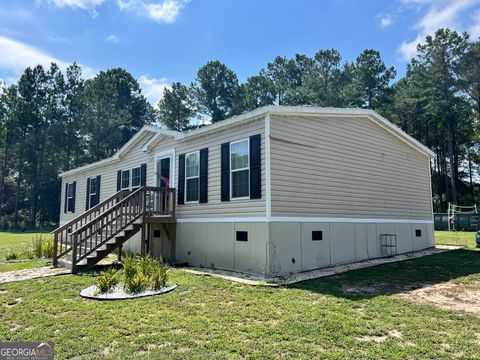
259 114
380 120
91 166
116 157
309 110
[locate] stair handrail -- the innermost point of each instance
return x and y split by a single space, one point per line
64 246
79 245
108 211
89 211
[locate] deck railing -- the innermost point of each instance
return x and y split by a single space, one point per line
92 229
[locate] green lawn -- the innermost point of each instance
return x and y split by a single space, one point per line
18 243
461 238
359 314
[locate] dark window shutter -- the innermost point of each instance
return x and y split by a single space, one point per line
143 175
203 175
181 180
225 172
255 168
119 180
87 197
97 196
65 206
74 195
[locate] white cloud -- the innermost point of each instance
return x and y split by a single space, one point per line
385 21
436 14
79 4
113 38
89 5
166 11
16 56
152 88
474 29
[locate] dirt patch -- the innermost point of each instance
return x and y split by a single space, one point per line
372 338
34 273
380 338
378 288
447 296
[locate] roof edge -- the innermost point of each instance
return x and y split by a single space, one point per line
124 149
254 114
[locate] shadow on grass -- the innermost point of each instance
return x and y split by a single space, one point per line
397 277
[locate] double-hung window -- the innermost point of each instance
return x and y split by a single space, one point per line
125 181
240 169
136 177
192 176
92 192
70 197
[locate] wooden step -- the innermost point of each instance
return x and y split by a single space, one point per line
107 248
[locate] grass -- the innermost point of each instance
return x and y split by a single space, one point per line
18 243
462 238
212 318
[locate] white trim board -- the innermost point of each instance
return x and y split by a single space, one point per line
268 170
302 219
162 155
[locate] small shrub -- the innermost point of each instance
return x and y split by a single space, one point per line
137 283
108 280
11 256
158 275
42 246
144 264
37 245
30 254
130 267
47 248
141 273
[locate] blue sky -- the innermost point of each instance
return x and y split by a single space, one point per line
160 41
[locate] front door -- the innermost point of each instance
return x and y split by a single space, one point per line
163 172
164 163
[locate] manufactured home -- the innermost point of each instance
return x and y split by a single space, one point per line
273 191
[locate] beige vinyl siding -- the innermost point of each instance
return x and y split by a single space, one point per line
108 184
215 207
345 167
135 157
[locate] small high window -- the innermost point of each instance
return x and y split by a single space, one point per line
240 169
192 176
418 232
317 235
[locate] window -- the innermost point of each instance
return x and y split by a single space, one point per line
92 196
317 235
192 176
242 236
125 179
418 232
239 168
70 198
136 177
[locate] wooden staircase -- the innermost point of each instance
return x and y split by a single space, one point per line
87 239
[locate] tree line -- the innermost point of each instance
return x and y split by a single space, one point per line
52 120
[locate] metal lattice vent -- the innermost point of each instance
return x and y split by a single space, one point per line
388 244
